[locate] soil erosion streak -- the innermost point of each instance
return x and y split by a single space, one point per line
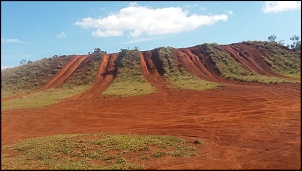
150 71
255 58
250 59
64 73
192 63
103 78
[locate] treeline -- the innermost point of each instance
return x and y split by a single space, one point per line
296 45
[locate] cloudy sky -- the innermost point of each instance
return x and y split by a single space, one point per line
36 30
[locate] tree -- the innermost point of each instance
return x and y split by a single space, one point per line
97 50
272 38
23 61
281 42
296 43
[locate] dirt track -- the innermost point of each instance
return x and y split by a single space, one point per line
64 73
103 78
150 72
248 126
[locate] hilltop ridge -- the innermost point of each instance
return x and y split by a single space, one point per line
159 69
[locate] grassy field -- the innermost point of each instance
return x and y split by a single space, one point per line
94 151
233 70
129 80
43 98
178 76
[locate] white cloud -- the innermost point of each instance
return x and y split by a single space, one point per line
11 41
61 35
5 41
145 20
141 40
280 6
106 33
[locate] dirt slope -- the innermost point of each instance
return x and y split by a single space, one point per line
192 63
64 73
151 72
103 78
206 61
250 58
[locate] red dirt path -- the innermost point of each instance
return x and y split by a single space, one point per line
103 78
248 126
64 73
150 72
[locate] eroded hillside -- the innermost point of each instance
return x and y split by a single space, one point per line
134 72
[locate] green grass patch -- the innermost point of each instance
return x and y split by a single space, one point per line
129 88
10 92
129 80
93 151
177 76
43 98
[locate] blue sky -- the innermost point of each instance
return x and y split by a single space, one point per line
34 30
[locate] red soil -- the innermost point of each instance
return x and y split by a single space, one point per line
150 72
192 64
250 126
250 58
207 62
64 73
103 78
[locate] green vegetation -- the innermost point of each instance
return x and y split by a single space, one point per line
230 69
12 92
42 98
86 72
31 76
130 80
93 151
177 75
279 58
